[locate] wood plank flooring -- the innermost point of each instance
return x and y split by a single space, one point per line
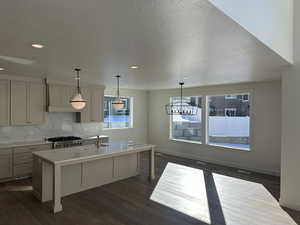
232 199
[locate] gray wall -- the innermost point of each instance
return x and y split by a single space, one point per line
58 124
290 157
265 122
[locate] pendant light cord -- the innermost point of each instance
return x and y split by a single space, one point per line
118 86
78 78
181 85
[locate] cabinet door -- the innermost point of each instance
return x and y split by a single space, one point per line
97 96
97 172
126 166
5 163
36 103
4 102
19 103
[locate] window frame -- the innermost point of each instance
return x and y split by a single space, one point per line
130 113
171 121
251 116
205 114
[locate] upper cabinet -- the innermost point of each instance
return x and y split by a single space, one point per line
4 102
93 112
59 95
37 103
27 102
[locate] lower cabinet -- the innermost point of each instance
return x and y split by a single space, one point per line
125 166
5 163
98 172
22 159
82 176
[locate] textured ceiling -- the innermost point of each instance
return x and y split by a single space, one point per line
168 39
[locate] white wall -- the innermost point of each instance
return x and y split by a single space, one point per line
290 153
270 21
266 124
139 132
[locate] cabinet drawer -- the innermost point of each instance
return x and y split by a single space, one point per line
23 169
5 166
20 158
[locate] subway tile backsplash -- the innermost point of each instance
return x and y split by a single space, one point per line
57 124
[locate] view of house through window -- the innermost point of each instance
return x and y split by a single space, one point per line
187 127
117 118
229 120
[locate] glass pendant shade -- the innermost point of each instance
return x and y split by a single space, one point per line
78 101
118 104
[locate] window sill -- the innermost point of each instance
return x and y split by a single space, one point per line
186 141
230 148
122 128
213 145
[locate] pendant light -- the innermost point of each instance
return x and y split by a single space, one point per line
77 101
118 104
181 108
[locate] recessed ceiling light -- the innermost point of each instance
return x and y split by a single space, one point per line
1 69
37 46
134 67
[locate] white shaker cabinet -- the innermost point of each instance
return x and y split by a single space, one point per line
36 105
93 112
5 163
19 103
27 102
4 102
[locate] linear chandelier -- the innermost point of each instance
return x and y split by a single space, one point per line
181 108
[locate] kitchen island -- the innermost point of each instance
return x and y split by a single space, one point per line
61 172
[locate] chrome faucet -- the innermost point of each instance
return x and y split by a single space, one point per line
98 141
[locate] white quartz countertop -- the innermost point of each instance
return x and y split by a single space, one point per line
23 144
88 152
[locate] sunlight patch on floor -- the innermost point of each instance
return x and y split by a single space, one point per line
217 199
15 188
248 202
183 189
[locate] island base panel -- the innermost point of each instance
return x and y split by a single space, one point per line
82 176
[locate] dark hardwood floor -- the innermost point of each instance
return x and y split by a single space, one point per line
127 202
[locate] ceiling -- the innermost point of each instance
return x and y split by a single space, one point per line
168 39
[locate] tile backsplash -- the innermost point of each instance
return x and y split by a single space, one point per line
57 124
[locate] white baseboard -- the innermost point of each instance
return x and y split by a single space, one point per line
223 163
290 206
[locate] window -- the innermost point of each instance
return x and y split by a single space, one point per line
229 121
187 127
117 118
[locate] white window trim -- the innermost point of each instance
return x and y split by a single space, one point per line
131 114
171 120
205 113
237 92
